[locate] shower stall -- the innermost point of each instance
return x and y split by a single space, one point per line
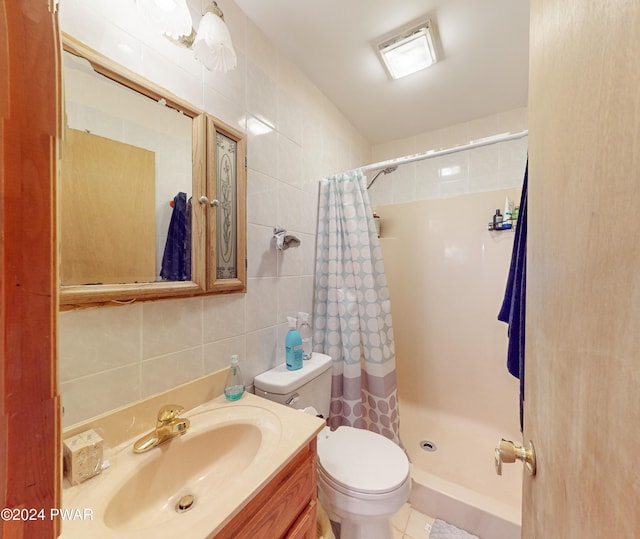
446 274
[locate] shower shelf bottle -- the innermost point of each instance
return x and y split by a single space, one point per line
293 346
234 387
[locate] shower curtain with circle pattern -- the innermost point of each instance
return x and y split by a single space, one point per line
352 311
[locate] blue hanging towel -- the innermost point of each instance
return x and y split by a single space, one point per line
513 306
176 261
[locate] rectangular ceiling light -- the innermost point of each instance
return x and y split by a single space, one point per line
409 52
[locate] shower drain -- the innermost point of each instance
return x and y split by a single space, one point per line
428 445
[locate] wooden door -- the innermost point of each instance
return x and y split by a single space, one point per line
29 404
582 400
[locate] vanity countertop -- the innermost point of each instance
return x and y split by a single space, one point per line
135 496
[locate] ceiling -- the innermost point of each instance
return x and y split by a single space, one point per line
484 68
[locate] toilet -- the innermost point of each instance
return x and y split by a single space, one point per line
363 478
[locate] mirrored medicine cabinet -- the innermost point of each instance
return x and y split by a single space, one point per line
151 190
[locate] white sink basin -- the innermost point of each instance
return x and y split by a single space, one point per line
229 452
201 466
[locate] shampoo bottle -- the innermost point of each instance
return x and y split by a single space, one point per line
293 346
497 220
507 216
305 333
234 387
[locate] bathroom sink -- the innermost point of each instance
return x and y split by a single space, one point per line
194 468
189 486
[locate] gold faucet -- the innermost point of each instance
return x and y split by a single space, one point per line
169 425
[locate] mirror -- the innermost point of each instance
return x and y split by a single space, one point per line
152 192
125 159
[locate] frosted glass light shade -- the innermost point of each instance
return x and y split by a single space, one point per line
169 17
213 46
408 53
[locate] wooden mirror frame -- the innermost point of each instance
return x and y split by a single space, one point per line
203 175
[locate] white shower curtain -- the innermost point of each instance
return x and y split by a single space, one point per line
352 312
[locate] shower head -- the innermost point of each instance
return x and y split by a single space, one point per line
387 170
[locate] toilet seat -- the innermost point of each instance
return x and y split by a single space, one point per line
327 482
357 461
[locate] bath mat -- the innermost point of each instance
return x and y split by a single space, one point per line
443 530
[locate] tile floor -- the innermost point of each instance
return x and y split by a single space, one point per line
408 523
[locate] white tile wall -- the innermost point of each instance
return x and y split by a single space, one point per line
264 351
96 340
105 390
498 166
290 117
262 96
261 307
171 326
223 317
290 162
217 354
262 199
263 261
116 355
164 372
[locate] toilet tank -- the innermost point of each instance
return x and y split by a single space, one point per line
308 386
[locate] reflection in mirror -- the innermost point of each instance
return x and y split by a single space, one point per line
126 183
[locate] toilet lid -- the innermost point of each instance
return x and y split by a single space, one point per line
361 460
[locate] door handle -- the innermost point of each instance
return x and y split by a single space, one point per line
508 452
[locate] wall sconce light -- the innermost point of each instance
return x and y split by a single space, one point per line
168 17
211 44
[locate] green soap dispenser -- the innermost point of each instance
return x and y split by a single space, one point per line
234 387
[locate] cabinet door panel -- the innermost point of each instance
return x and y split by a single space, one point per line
278 510
305 526
226 216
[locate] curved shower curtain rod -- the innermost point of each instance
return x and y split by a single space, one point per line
392 164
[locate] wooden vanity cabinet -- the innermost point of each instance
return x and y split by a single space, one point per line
285 508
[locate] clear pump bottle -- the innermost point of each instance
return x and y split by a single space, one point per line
234 387
305 333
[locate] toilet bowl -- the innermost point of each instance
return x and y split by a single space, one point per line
363 478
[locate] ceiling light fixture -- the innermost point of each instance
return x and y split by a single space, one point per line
212 43
411 51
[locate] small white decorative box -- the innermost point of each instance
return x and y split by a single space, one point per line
83 456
